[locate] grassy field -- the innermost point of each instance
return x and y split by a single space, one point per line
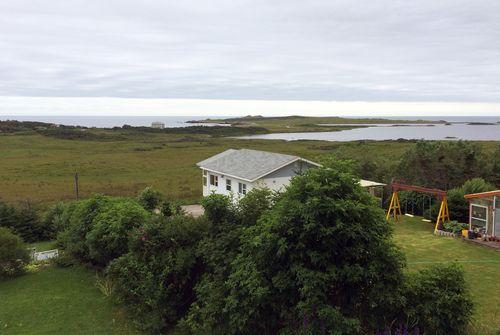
481 265
41 169
58 301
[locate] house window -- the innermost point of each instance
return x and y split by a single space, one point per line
479 216
214 180
204 178
228 184
242 188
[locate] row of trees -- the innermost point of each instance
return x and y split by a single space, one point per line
26 222
438 164
316 259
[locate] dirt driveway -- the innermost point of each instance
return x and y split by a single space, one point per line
193 210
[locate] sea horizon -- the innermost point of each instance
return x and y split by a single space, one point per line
109 121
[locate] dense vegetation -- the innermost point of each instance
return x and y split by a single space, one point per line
445 165
97 229
13 254
243 266
25 221
316 259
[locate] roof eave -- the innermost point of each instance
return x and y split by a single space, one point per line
286 164
225 174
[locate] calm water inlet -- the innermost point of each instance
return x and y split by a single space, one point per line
455 131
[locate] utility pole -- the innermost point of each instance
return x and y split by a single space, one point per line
76 185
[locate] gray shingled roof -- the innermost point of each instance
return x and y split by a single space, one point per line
245 163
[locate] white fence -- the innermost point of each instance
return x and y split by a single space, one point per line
44 255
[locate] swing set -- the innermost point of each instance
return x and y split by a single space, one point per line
395 206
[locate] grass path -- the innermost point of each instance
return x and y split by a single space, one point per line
481 265
58 301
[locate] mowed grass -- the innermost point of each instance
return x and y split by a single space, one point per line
58 301
41 169
481 266
44 245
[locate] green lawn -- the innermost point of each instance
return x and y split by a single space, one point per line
58 301
481 265
44 245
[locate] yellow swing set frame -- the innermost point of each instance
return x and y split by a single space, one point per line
395 205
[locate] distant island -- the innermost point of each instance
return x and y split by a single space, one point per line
297 123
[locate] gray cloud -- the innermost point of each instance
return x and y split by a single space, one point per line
428 50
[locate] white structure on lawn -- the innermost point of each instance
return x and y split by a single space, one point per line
236 172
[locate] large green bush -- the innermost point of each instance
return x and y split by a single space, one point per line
80 219
111 228
14 254
437 301
254 204
150 199
218 208
155 279
98 228
321 259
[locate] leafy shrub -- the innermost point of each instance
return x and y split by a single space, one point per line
218 207
454 226
150 199
110 231
54 221
98 228
217 249
166 208
155 279
13 254
254 204
437 300
308 266
80 219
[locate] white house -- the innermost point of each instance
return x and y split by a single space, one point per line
235 172
157 125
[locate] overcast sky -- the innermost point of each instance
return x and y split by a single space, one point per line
323 50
